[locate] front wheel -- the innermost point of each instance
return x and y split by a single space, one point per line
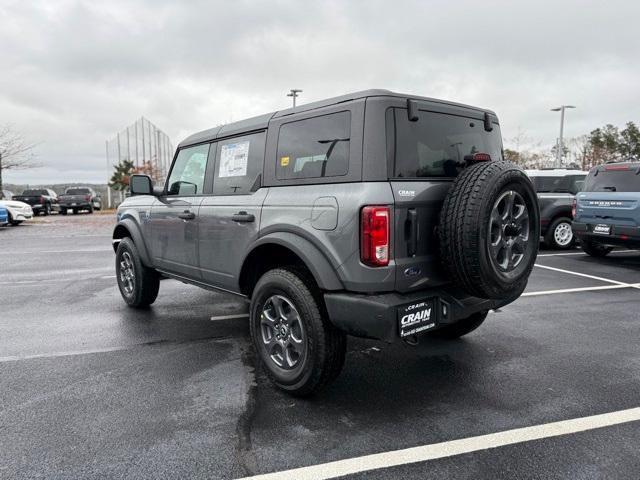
595 249
138 284
560 235
461 328
298 346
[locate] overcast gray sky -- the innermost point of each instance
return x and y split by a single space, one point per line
74 73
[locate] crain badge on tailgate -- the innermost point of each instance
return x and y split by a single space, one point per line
407 193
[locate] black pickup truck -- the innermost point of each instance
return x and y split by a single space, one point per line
43 200
80 198
556 189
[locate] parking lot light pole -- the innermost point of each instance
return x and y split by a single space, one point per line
560 109
294 94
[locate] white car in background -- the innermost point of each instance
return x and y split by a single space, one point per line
18 211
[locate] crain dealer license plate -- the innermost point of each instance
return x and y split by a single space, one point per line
416 318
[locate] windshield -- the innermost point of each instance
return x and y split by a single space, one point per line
77 191
34 192
436 145
613 181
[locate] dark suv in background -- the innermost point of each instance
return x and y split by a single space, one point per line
375 214
556 189
607 212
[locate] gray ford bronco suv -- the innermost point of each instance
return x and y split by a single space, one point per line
374 214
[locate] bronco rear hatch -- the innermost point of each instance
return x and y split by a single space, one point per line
427 146
611 196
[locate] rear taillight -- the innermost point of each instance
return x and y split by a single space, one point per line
42 200
87 197
616 167
574 206
374 236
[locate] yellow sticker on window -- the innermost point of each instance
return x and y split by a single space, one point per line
284 161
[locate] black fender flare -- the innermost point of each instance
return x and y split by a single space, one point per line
320 267
134 232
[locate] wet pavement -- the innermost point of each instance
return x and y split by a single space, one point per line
90 388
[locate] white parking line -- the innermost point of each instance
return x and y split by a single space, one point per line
581 289
230 317
593 277
581 253
32 252
455 447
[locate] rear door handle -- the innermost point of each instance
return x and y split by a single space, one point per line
187 215
412 240
243 217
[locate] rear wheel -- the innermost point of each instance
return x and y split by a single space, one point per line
63 211
298 346
90 209
560 234
138 284
595 249
461 328
47 210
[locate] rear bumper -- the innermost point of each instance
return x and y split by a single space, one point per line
376 316
620 236
75 205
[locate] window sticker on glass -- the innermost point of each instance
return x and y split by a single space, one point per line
233 160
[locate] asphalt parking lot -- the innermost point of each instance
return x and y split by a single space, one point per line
90 388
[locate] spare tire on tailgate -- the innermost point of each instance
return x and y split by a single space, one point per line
489 230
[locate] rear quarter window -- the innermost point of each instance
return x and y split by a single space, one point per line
314 147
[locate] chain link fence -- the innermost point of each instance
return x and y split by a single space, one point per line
146 146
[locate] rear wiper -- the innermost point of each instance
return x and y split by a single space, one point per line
611 189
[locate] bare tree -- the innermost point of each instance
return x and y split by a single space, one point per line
15 151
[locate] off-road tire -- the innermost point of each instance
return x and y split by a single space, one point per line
595 249
550 237
146 280
464 229
325 344
460 328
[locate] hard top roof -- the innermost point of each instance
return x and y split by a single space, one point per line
556 172
262 121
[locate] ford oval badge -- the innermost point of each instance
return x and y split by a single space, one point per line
412 271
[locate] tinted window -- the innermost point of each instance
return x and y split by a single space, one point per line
187 174
34 192
613 181
238 164
436 144
78 191
315 147
564 184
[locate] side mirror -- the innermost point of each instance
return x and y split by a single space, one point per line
140 185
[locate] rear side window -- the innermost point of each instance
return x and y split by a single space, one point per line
565 184
187 174
314 147
613 181
436 144
77 191
239 163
